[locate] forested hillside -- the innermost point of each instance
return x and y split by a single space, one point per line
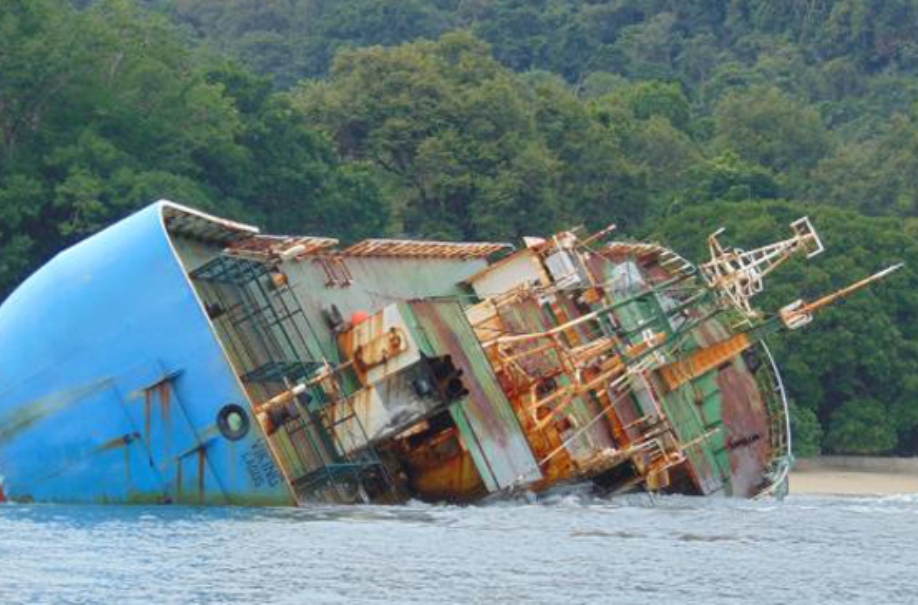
491 119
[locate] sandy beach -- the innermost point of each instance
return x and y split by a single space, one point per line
855 476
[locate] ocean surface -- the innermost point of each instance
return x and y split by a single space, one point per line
570 549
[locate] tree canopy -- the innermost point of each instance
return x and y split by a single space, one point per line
490 119
106 110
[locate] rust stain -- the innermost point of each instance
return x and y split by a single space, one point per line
28 415
178 479
234 464
202 462
165 398
148 417
123 441
703 360
747 426
116 443
127 464
442 469
164 393
273 247
385 248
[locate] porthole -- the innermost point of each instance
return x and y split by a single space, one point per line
233 422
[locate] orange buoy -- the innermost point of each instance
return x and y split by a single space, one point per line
359 317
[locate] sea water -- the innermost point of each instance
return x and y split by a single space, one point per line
571 549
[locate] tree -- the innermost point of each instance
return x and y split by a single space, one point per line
862 426
468 149
293 39
667 116
877 176
289 175
105 110
728 177
862 353
765 126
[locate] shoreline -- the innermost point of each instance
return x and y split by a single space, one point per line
854 476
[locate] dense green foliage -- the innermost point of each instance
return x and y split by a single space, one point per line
856 367
103 111
493 119
468 148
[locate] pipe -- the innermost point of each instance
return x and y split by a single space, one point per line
582 319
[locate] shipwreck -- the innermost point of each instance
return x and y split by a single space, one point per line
177 357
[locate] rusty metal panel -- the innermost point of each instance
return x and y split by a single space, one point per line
747 427
188 222
382 410
424 249
694 411
280 247
475 448
382 345
377 283
489 427
641 250
508 273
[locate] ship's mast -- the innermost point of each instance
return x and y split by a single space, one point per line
737 275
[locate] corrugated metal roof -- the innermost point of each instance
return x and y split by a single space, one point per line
194 224
425 249
635 248
280 246
528 252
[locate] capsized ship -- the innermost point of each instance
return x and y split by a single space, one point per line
179 357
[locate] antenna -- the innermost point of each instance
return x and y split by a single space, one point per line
799 313
738 274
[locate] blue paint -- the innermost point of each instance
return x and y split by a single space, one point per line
81 341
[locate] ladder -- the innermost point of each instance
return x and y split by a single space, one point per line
274 347
342 475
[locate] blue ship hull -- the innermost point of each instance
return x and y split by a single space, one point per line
112 381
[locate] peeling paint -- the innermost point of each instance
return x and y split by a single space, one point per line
390 370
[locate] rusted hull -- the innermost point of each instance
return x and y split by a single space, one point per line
177 357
